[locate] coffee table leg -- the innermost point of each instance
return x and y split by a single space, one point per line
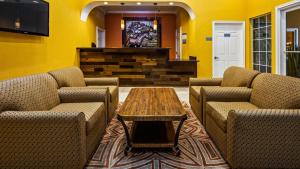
128 146
176 147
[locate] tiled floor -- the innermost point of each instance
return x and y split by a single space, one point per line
182 93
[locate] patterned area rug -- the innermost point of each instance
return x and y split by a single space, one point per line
197 150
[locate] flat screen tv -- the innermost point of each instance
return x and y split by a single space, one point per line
25 16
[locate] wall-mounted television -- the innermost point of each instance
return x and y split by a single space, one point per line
25 16
139 33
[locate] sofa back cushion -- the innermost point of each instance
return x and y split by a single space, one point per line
276 92
30 93
69 77
238 77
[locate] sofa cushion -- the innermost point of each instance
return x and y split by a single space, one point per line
93 112
29 93
113 91
69 77
218 111
238 77
195 92
276 92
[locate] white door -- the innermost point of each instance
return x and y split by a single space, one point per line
228 46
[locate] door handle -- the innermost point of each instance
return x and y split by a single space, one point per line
216 58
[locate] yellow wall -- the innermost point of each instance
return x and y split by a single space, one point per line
197 30
24 54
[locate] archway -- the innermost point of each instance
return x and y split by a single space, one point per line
89 7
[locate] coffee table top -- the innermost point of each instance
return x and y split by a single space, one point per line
152 104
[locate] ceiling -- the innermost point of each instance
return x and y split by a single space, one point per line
138 9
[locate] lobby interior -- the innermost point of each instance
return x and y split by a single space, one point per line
149 84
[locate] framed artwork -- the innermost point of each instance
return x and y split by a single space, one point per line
139 33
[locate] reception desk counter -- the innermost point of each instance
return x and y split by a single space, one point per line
137 66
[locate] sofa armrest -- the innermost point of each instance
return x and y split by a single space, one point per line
103 81
205 82
263 138
83 94
226 94
39 139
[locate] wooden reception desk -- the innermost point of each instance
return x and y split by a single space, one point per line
137 66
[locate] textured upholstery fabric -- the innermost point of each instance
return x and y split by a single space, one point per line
205 82
233 77
196 107
113 91
264 138
73 77
103 81
69 77
223 94
226 94
92 111
36 92
82 94
38 139
218 135
218 111
262 131
238 77
195 92
195 96
276 92
32 136
113 99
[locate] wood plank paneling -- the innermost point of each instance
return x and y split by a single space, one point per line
137 66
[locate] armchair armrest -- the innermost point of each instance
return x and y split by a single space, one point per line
83 94
263 138
205 82
109 81
39 139
226 94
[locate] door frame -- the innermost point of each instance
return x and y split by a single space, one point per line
97 35
179 42
243 24
280 26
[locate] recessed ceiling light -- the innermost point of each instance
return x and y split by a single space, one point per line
105 3
171 3
35 2
139 3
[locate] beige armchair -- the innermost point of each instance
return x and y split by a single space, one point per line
233 77
73 77
258 127
43 128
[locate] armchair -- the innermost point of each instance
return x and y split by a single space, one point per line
73 77
233 77
41 128
258 127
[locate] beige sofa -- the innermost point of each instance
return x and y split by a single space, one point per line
233 77
258 127
41 127
73 77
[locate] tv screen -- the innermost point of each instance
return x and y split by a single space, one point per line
25 16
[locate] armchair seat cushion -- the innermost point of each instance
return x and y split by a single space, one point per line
195 92
93 112
219 111
113 91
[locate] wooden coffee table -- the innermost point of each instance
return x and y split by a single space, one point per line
152 111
